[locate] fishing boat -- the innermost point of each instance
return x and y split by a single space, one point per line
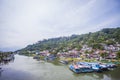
107 66
103 66
111 65
95 66
80 68
36 57
63 62
9 57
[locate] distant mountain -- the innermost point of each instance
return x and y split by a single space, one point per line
107 36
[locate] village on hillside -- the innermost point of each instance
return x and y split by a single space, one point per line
86 53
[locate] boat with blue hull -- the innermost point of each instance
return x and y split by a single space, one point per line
111 65
80 68
95 66
83 67
103 66
107 66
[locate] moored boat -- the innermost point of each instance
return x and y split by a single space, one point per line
103 66
63 61
96 67
111 65
8 58
80 68
36 57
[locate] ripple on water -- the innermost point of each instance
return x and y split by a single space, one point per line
25 68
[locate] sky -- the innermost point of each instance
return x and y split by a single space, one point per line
24 22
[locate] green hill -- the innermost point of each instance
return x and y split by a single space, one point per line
106 36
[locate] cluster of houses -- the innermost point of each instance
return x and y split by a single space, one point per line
70 54
113 48
109 52
46 54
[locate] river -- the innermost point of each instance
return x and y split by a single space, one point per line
26 68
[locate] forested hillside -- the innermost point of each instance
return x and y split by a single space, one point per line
95 40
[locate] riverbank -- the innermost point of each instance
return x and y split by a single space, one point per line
5 55
69 61
36 70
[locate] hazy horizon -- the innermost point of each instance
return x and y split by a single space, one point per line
24 22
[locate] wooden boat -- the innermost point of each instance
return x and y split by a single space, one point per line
103 66
63 62
95 66
9 57
111 65
107 66
36 57
80 68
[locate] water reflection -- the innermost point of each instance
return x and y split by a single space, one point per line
1 72
25 68
12 74
6 62
107 75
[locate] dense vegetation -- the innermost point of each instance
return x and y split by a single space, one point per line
106 36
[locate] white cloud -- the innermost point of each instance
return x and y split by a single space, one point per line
24 22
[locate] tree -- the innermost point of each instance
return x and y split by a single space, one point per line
104 55
107 36
110 42
118 54
97 46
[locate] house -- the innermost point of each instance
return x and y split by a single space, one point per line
43 53
50 57
85 47
71 54
112 56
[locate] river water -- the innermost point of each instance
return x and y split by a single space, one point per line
26 68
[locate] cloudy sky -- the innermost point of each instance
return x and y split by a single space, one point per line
24 22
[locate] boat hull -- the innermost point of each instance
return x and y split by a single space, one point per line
80 70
